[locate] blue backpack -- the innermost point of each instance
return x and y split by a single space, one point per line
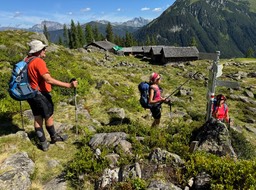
144 88
19 87
144 94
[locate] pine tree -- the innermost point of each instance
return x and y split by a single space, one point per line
118 40
148 41
153 40
249 53
89 37
96 34
60 42
80 36
109 33
128 39
46 33
193 41
73 37
65 36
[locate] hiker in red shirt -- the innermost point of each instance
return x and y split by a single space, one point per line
42 105
220 109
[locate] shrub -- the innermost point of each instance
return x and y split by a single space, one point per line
85 164
224 172
243 148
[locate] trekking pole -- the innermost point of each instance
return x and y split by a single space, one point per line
181 85
21 114
73 79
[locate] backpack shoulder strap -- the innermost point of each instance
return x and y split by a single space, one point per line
150 87
225 107
214 106
30 59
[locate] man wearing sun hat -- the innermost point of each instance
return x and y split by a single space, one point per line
42 105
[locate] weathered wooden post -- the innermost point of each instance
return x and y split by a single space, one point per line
214 72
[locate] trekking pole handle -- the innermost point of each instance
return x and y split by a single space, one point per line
73 79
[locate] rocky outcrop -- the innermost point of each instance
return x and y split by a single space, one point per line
213 137
111 139
16 171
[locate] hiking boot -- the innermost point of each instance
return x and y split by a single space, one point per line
45 145
58 137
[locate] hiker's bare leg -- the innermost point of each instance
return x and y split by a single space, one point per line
156 122
49 124
49 121
38 122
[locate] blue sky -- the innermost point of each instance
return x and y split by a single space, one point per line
26 13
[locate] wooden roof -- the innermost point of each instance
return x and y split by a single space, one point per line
106 45
180 52
156 50
137 49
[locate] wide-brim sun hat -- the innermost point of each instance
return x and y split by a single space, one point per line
36 46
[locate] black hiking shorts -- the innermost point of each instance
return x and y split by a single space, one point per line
156 111
42 105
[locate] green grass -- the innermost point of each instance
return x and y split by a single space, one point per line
119 90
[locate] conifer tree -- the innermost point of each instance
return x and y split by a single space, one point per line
96 34
73 37
109 33
46 33
89 34
65 35
118 40
60 42
80 36
148 41
193 41
249 53
128 39
153 40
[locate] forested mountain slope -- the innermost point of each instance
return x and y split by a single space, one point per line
225 25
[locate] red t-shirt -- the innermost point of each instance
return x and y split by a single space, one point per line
221 112
36 69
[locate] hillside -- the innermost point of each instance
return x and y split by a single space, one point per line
213 25
114 131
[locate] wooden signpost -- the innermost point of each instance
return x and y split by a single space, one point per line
215 72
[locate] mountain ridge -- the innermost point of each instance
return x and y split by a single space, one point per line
213 24
53 26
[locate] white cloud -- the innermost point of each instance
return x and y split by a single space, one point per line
85 9
145 9
157 9
119 9
17 14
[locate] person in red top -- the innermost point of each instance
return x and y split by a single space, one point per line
220 110
42 105
155 98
